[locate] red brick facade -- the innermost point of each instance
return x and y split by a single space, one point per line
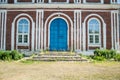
76 18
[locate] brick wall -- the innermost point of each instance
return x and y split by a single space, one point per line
105 15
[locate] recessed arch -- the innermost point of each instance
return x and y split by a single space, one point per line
70 28
13 42
85 31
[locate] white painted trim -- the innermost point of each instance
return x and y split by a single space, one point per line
112 30
71 37
74 31
36 30
2 29
80 30
33 27
84 37
39 29
64 6
67 1
118 31
49 1
48 26
13 26
15 1
115 30
63 10
78 25
77 31
42 29
110 1
104 35
102 1
12 37
84 1
5 18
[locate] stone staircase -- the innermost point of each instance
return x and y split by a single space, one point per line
58 56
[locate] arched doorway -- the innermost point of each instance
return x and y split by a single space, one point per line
58 35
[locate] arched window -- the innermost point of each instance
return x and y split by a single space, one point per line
118 1
94 31
23 31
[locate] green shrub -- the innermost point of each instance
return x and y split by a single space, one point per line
117 57
16 55
1 53
10 55
112 53
103 54
99 58
6 55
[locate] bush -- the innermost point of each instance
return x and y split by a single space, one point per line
117 57
6 55
104 54
16 55
10 55
1 53
99 58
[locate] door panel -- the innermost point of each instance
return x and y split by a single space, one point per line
58 35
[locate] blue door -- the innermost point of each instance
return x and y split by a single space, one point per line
58 35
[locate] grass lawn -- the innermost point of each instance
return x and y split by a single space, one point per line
59 70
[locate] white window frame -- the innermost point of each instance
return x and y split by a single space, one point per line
115 2
101 2
118 1
94 44
16 1
3 1
50 1
23 44
77 1
39 1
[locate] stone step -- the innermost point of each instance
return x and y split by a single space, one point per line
57 54
58 58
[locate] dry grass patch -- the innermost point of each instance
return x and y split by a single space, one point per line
59 71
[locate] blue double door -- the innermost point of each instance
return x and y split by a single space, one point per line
58 35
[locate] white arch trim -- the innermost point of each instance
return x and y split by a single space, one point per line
13 32
84 31
49 25
94 15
